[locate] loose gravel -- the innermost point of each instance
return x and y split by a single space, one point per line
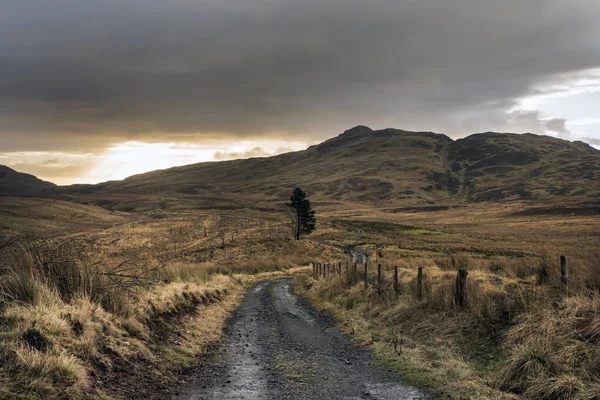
278 346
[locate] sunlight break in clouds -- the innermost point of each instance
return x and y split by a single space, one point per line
133 158
573 98
130 158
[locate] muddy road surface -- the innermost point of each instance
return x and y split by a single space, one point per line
278 346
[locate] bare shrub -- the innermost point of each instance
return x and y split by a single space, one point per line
40 272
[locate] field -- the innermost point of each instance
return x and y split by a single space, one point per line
90 294
97 303
518 335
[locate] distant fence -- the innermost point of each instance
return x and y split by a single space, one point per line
350 272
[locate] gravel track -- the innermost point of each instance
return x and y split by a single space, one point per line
278 346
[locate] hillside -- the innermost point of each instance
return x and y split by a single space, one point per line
13 183
493 166
47 217
383 168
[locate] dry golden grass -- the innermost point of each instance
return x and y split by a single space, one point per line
68 316
63 323
518 336
50 218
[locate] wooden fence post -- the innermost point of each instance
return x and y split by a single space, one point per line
340 269
366 275
396 282
379 279
563 275
355 275
420 283
461 287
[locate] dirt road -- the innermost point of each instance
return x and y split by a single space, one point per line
279 347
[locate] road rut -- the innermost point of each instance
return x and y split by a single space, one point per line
278 346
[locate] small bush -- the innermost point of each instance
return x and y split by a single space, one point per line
529 362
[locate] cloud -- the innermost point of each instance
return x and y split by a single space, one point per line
558 125
60 174
50 162
79 75
254 152
519 121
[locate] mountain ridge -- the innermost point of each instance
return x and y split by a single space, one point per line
388 166
13 183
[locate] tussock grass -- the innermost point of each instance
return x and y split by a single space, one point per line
58 312
44 273
553 351
517 335
71 312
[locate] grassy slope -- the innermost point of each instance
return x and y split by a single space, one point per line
23 215
502 247
494 166
386 168
13 183
68 331
375 185
516 337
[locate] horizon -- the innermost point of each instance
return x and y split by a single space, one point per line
219 156
100 91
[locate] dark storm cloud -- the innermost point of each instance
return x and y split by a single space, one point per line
80 74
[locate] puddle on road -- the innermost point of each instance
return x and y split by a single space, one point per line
388 391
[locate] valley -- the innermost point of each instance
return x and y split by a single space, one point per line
124 289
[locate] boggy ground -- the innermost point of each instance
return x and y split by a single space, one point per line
277 346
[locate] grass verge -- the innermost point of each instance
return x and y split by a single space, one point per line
516 337
73 328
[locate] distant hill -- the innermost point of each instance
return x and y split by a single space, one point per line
49 217
493 166
388 167
13 183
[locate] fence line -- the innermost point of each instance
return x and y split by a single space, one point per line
461 293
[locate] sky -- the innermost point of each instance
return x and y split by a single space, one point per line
98 90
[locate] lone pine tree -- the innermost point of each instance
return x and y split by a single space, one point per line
303 216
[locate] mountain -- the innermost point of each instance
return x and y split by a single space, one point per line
385 168
13 183
494 166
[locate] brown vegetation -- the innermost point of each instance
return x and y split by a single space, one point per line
375 168
184 243
99 312
518 333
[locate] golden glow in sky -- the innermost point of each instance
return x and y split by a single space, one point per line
130 158
133 158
